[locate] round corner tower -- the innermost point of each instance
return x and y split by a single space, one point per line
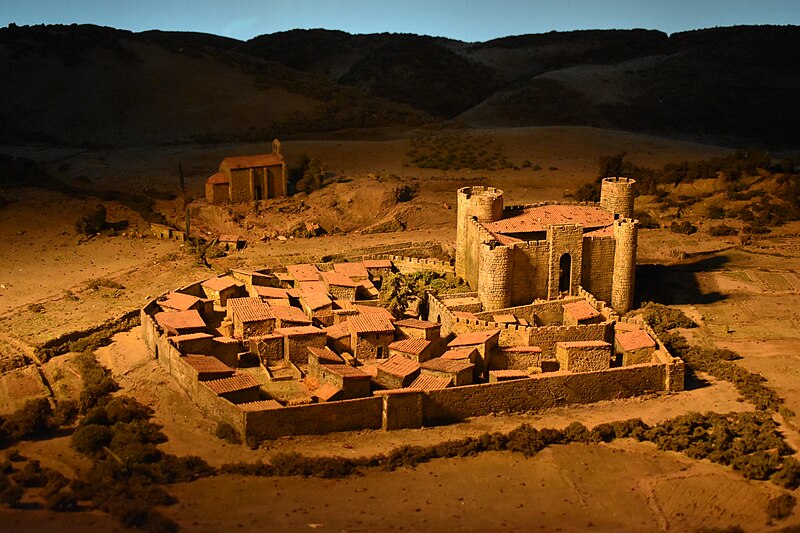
485 204
616 196
622 285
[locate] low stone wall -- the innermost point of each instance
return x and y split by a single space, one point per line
315 419
413 264
540 392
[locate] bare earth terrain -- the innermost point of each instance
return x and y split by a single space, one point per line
744 297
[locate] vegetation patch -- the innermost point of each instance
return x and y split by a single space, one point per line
457 152
398 291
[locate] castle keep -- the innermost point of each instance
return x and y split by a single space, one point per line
512 255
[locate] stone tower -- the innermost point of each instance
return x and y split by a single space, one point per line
625 235
483 203
616 196
494 291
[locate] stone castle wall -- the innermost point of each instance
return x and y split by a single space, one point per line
597 274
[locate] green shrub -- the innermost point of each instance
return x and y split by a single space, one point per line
526 440
788 475
722 230
662 318
684 227
34 419
93 221
227 433
576 432
90 439
781 506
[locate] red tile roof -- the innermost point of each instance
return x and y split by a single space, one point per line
180 320
312 287
416 323
504 319
353 270
290 314
221 283
581 310
218 179
232 384
326 391
190 337
634 340
370 323
250 310
270 292
179 301
377 263
430 382
508 374
299 330
463 353
338 331
399 366
316 300
473 337
446 365
304 272
535 219
326 356
337 279
252 161
227 340
261 405
346 371
465 314
412 346
374 310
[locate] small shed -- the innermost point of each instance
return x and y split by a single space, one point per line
583 356
353 382
636 347
580 312
221 288
239 388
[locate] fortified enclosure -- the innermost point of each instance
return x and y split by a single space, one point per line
304 349
512 255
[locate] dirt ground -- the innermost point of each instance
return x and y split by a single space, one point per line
743 297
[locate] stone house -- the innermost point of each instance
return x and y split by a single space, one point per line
520 358
322 356
583 356
428 382
287 317
460 372
227 350
180 322
207 367
485 342
238 388
274 296
338 337
496 376
221 288
353 382
269 349
354 271
339 286
580 312
418 350
194 343
297 339
178 301
636 347
412 328
370 336
397 372
303 272
248 178
250 317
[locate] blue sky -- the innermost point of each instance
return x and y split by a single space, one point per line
470 20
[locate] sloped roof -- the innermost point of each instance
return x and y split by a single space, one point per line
221 283
581 310
326 356
370 323
298 330
338 331
304 272
446 365
473 337
218 179
462 353
412 346
374 310
634 340
232 384
346 371
261 405
536 219
327 391
399 366
355 270
179 301
207 364
290 314
416 323
178 320
270 292
252 161
316 300
430 382
250 309
377 263
338 279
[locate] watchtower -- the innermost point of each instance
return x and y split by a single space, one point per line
482 203
616 196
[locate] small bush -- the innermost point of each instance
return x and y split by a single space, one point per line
646 220
33 419
662 318
722 230
684 227
90 439
227 433
93 221
576 432
788 475
781 507
62 501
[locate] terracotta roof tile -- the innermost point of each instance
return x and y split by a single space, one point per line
180 320
207 364
261 405
508 374
304 272
399 366
337 279
536 219
326 356
312 287
221 283
326 392
430 382
412 346
370 323
634 340
338 331
250 310
416 323
465 314
473 337
218 179
581 310
179 301
521 349
232 384
346 371
290 314
190 337
316 301
504 319
351 270
374 310
270 292
446 365
463 353
252 161
299 330
584 344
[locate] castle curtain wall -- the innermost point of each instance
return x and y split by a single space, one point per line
598 266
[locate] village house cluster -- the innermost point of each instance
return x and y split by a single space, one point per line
307 348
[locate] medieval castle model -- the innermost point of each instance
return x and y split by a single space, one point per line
248 178
307 349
